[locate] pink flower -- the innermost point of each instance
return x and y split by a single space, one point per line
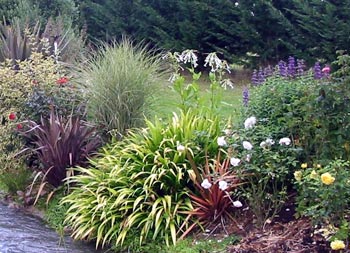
62 80
326 70
12 116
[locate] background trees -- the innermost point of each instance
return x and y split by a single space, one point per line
249 31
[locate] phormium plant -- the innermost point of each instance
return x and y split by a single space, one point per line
60 144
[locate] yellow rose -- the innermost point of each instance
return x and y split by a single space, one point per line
298 175
304 165
327 178
337 245
313 174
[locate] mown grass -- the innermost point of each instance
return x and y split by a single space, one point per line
165 99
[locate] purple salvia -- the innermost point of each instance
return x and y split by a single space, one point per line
300 67
261 76
268 71
282 68
317 71
255 80
291 67
245 96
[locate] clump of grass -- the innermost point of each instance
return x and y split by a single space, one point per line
118 83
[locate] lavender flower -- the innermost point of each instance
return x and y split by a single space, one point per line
255 80
282 68
261 76
291 67
268 71
317 71
245 96
300 67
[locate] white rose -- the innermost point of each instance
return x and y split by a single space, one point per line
247 145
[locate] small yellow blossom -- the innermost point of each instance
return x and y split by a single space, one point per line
304 165
313 174
327 178
298 175
318 166
337 245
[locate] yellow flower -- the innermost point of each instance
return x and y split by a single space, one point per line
298 175
318 166
327 178
337 245
313 174
303 165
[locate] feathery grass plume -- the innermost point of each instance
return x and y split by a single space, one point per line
118 84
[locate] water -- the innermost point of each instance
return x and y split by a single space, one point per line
20 233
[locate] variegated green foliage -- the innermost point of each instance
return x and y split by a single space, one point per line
142 182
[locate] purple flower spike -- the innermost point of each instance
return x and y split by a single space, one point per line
300 67
291 67
245 96
261 76
317 71
268 71
282 68
255 80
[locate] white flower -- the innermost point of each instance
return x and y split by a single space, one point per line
248 157
263 144
223 185
249 123
228 132
235 161
226 83
206 184
181 148
247 145
221 141
267 143
188 56
216 63
237 203
285 141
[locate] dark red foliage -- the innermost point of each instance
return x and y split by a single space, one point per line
60 145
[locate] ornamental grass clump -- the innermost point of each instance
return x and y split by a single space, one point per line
139 186
118 84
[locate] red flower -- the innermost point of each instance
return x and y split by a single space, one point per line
62 80
12 116
19 126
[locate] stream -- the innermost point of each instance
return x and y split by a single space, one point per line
22 233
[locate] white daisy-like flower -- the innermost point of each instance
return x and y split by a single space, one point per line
206 184
221 141
235 161
247 145
249 122
285 141
223 185
237 204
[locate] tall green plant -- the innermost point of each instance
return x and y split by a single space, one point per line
141 183
118 85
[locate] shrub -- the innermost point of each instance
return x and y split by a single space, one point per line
311 108
142 182
60 145
264 162
118 85
323 192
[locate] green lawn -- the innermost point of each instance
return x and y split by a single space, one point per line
166 99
